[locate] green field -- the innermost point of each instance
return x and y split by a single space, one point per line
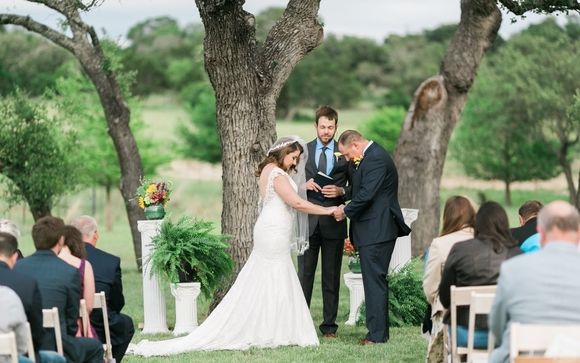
202 198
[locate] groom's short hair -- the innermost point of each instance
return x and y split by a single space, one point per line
348 136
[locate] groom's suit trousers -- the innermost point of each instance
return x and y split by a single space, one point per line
375 260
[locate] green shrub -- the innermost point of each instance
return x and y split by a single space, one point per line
407 302
384 127
190 243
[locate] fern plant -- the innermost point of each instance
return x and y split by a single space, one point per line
190 244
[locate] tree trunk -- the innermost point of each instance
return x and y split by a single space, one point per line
567 168
39 211
433 114
85 46
508 193
247 81
108 208
578 193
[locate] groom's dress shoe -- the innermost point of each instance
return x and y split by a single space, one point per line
329 335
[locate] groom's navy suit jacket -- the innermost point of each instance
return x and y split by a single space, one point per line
374 211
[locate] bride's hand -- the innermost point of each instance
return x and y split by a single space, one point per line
330 210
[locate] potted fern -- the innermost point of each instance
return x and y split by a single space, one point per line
192 258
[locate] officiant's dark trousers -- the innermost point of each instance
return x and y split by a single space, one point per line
374 263
331 256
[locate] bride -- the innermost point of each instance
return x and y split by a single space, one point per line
265 307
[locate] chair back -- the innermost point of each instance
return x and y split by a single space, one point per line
101 303
8 346
480 305
30 343
84 315
537 337
50 319
461 296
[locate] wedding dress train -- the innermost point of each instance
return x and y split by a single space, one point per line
265 307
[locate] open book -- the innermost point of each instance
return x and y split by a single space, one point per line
322 180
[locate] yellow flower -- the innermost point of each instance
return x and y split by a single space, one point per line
337 154
141 203
152 188
356 160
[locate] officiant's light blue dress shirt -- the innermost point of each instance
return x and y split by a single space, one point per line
329 155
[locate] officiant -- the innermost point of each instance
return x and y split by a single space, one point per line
327 175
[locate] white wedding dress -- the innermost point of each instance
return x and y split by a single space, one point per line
265 307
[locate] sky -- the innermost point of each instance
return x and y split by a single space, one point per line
366 18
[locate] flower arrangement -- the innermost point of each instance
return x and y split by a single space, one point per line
350 250
353 256
153 193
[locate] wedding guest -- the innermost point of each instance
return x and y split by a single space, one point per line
107 271
13 319
27 290
527 215
59 285
10 227
326 234
73 252
476 262
458 222
543 287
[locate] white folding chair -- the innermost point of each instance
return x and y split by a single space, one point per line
8 346
461 296
84 315
50 319
536 338
101 303
480 305
29 343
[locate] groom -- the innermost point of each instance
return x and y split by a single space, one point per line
375 223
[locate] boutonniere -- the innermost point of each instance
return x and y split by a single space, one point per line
357 160
337 155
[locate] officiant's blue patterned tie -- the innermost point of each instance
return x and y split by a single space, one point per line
322 160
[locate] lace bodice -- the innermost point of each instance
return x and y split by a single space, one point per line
268 190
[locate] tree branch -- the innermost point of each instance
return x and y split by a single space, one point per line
293 36
34 26
520 7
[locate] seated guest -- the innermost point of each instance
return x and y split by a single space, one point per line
10 227
476 262
107 269
458 221
528 214
13 319
27 290
543 287
59 285
73 252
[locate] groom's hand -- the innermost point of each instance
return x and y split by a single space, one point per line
311 185
332 191
339 213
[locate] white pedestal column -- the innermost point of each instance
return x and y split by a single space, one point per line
357 295
402 252
185 294
154 314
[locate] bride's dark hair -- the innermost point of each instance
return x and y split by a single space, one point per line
277 156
